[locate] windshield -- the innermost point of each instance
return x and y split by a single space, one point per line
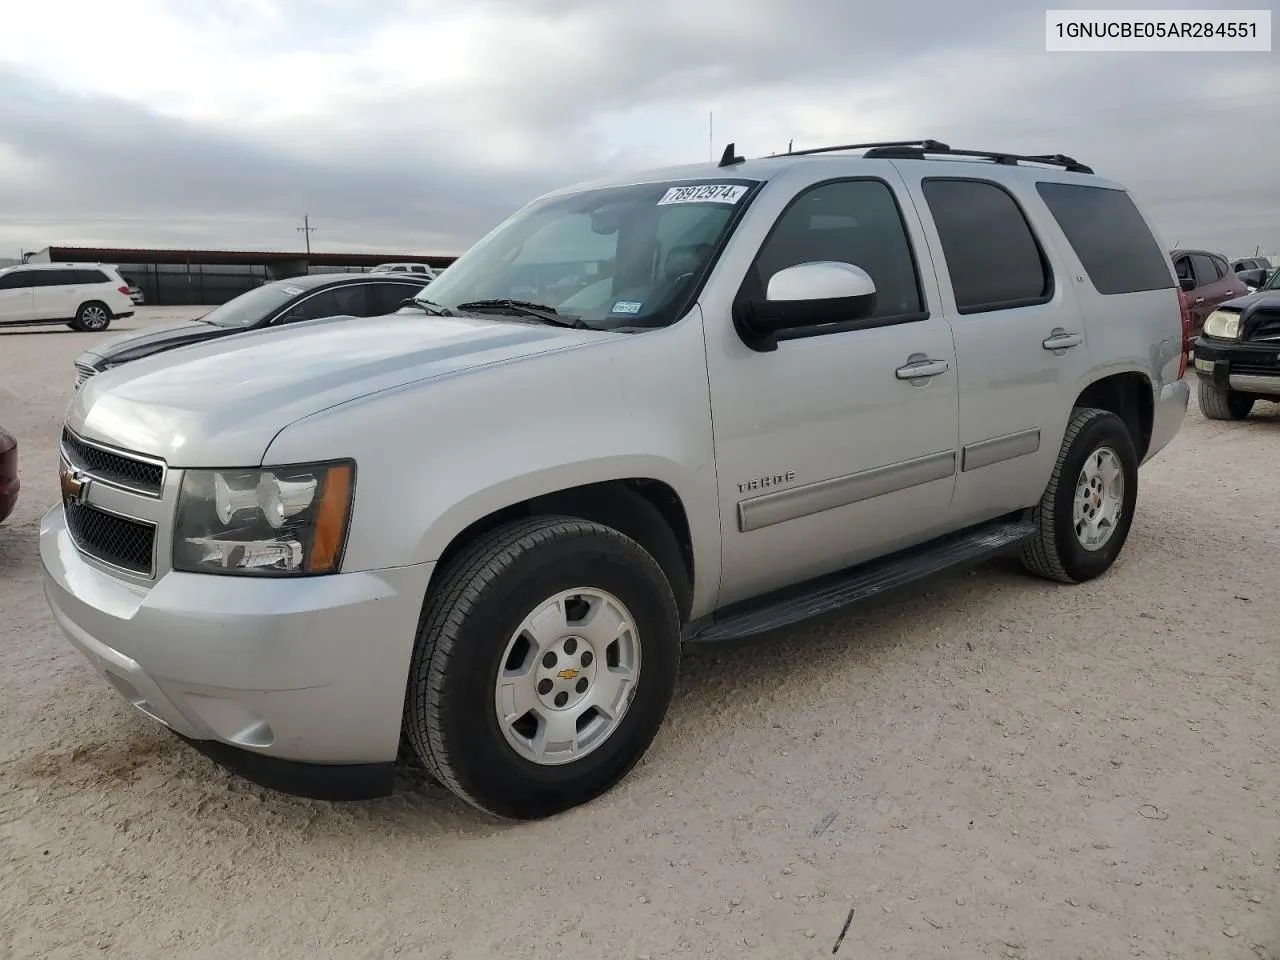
1274 282
248 308
615 257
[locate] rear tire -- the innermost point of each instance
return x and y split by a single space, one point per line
92 317
1217 403
463 709
1080 505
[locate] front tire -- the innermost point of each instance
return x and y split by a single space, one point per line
1217 403
92 317
545 662
1084 516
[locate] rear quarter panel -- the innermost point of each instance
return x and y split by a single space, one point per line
433 458
1131 332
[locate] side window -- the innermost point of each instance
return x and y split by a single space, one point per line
1108 234
1204 268
49 278
1221 264
89 276
386 298
848 221
993 258
1182 267
18 280
324 304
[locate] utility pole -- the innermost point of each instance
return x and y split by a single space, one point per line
307 229
711 128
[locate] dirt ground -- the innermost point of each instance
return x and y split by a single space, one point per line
996 767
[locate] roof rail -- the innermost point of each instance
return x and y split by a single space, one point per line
920 152
933 146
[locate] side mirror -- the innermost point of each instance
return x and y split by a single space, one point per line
1187 284
805 295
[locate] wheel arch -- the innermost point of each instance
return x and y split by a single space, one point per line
1130 396
647 509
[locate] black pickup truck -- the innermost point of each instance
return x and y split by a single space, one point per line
1237 355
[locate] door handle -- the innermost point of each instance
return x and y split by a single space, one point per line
1198 300
918 369
1061 340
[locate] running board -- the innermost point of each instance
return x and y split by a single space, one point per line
864 582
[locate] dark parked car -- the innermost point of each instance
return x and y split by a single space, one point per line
1254 271
272 304
9 482
1238 354
1208 281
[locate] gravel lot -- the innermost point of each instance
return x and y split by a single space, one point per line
997 767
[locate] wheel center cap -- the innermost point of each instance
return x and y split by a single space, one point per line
566 673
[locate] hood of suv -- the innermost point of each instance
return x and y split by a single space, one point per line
221 403
143 343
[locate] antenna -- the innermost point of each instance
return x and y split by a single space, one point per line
729 158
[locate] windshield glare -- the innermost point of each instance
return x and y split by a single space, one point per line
248 308
615 257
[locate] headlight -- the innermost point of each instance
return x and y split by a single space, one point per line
273 522
1223 325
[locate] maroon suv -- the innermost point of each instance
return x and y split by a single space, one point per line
9 482
1207 280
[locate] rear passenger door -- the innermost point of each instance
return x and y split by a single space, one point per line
55 294
1021 355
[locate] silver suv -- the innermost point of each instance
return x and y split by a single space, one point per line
684 406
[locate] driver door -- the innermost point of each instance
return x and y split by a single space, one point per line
828 451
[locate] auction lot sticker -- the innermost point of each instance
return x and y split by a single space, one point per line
704 193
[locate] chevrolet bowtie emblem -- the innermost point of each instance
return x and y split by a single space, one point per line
75 485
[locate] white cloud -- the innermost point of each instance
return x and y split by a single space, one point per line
421 122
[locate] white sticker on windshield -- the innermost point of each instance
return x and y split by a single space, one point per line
292 291
626 306
704 193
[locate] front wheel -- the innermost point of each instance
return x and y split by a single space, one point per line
92 317
1084 516
1219 403
545 663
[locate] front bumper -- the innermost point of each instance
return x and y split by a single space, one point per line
1249 367
309 671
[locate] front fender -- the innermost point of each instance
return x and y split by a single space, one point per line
433 458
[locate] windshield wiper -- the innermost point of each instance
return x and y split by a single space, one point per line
427 306
539 311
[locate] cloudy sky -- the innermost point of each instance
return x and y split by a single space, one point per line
413 126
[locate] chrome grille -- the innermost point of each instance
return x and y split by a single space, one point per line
127 544
83 373
143 476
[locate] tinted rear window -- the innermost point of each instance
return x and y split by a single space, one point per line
993 257
1109 236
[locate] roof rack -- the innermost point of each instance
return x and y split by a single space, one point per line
932 146
920 151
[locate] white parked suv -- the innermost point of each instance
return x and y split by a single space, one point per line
681 406
84 296
408 267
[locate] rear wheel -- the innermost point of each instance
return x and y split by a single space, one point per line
92 317
1084 516
1219 403
545 662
